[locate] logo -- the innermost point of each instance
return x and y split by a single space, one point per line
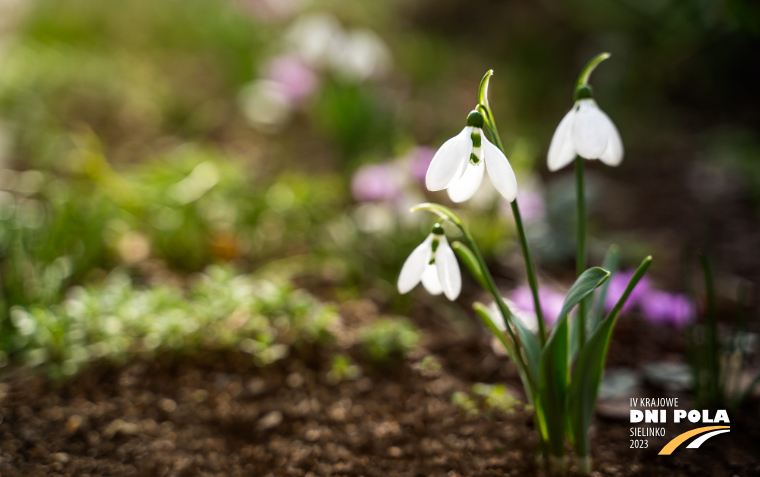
648 416
707 432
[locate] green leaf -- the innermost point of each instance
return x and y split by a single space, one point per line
554 363
485 317
610 264
552 387
587 374
468 258
584 284
530 346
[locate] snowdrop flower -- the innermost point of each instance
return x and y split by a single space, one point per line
459 164
585 131
432 262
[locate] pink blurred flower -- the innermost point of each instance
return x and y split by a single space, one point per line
375 182
667 308
618 283
421 158
532 205
297 80
551 302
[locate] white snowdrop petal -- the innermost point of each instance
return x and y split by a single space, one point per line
466 186
589 130
448 160
561 150
448 270
500 171
613 155
430 280
411 272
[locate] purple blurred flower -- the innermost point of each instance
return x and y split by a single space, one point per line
667 308
532 205
618 283
375 182
551 302
297 80
421 157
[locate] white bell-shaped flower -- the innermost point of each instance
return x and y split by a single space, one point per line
588 132
434 263
460 163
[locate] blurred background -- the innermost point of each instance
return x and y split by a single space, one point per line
155 153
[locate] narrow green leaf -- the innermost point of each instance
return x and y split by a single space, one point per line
485 317
554 365
530 346
584 284
587 374
552 387
468 258
610 264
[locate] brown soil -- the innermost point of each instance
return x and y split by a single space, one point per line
219 415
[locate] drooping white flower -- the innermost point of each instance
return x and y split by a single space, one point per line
460 163
432 262
585 131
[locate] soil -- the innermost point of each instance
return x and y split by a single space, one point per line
217 414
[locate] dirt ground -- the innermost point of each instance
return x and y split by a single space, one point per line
218 415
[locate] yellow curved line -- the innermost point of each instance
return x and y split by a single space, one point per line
679 439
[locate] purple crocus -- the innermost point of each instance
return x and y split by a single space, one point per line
551 302
297 80
618 283
375 182
665 308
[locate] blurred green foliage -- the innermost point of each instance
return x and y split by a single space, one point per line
124 140
388 340
489 400
221 310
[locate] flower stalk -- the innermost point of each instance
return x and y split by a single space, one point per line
529 265
580 257
561 371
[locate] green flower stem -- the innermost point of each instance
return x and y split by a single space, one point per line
487 277
580 260
530 268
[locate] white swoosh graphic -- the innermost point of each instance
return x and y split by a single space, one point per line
701 439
